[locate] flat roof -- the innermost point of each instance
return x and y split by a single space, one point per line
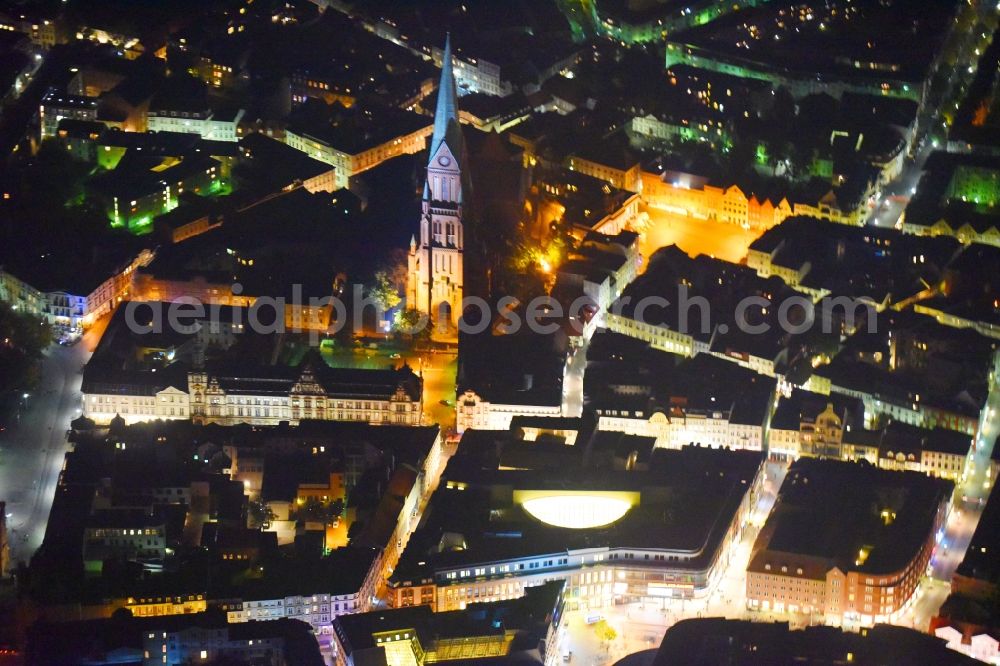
356 129
280 161
847 499
836 41
693 642
627 374
537 607
687 500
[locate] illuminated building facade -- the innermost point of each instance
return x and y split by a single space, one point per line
369 396
410 138
957 197
20 295
623 175
690 195
608 551
799 84
347 586
158 606
475 411
102 301
715 428
56 106
136 403
174 387
133 199
705 401
976 184
418 636
472 74
637 23
83 303
812 425
435 268
207 398
651 126
211 125
897 406
888 522
150 287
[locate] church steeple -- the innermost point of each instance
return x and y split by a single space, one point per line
435 263
447 100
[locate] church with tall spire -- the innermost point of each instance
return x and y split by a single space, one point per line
435 265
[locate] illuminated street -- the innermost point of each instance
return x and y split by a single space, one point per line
576 365
438 371
970 498
32 448
640 626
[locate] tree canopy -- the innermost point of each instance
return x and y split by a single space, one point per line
23 338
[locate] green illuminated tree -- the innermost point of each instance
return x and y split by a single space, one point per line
605 632
384 291
411 323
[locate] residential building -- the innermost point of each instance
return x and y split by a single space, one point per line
213 125
285 167
56 106
525 628
880 531
608 162
355 139
75 299
694 640
703 401
956 197
342 582
691 195
173 640
133 535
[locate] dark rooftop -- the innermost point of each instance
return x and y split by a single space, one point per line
477 503
354 130
695 642
847 498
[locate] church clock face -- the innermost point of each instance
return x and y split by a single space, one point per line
444 160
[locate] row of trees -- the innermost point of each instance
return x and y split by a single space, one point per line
23 339
312 510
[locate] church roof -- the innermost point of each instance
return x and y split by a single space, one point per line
447 101
447 129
